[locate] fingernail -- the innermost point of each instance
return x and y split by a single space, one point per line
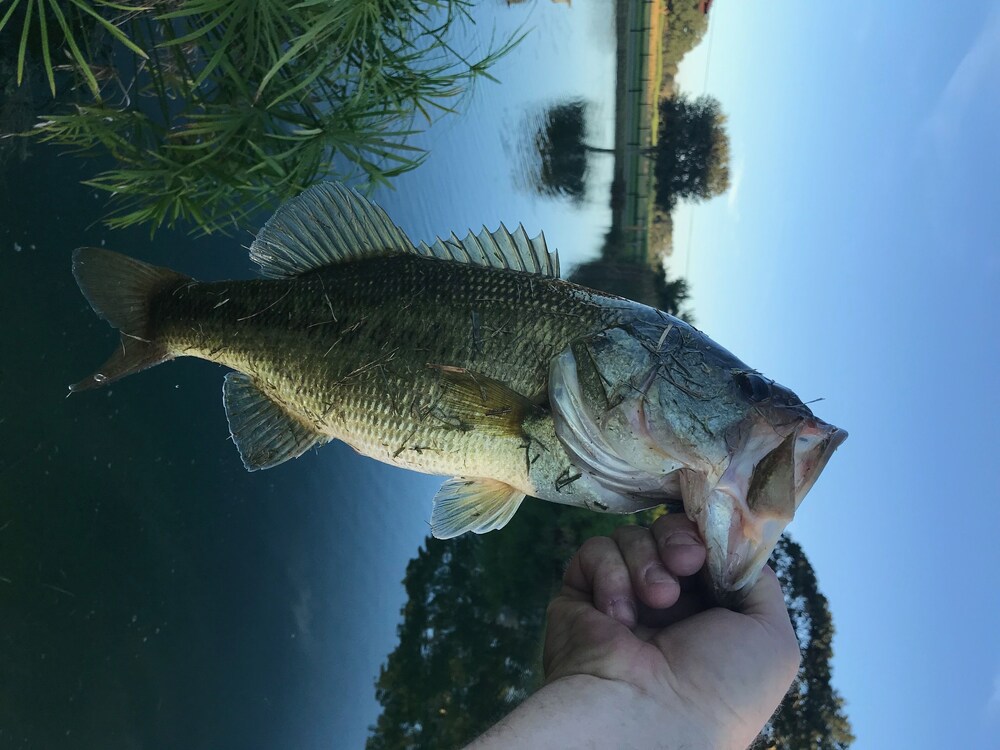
682 538
657 574
623 611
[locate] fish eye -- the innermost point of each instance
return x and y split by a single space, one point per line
755 387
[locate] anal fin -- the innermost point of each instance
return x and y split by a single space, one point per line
265 432
476 505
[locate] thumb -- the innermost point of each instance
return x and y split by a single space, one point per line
766 604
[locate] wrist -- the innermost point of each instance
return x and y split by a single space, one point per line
582 711
647 718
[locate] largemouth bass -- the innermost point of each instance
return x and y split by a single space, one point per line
471 359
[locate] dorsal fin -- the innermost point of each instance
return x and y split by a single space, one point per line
498 249
328 223
331 223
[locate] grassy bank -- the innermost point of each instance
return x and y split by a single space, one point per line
640 30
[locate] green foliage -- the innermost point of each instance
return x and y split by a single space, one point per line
242 104
671 295
470 641
812 714
686 26
692 153
635 281
69 19
471 637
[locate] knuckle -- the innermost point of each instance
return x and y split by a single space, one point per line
626 530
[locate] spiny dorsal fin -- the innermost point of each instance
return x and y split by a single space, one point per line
265 433
477 402
330 223
498 249
476 505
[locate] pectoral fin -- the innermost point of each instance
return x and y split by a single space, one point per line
476 402
265 432
476 505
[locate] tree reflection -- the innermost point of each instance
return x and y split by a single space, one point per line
640 282
559 141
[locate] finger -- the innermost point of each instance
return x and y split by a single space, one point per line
598 572
651 580
681 547
688 603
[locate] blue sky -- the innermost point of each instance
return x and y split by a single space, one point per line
856 258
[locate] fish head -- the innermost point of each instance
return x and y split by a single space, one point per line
659 411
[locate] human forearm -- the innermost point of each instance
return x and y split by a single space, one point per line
637 660
584 711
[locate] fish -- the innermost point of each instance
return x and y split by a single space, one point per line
470 358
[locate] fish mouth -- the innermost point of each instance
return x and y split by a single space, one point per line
744 514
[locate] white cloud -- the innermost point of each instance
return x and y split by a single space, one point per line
993 704
977 70
736 180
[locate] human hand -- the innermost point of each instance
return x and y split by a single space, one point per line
631 612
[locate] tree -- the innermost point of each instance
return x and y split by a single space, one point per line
471 635
692 153
560 141
470 642
459 662
686 26
812 714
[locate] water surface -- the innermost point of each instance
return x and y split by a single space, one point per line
153 593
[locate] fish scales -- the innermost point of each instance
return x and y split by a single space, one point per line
354 346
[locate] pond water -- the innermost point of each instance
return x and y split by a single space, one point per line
154 594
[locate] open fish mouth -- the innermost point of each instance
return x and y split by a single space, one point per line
744 514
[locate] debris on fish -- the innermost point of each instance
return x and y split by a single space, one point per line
470 358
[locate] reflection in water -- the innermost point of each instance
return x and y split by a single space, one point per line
640 282
558 139
554 160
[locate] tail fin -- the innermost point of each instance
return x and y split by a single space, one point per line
120 290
